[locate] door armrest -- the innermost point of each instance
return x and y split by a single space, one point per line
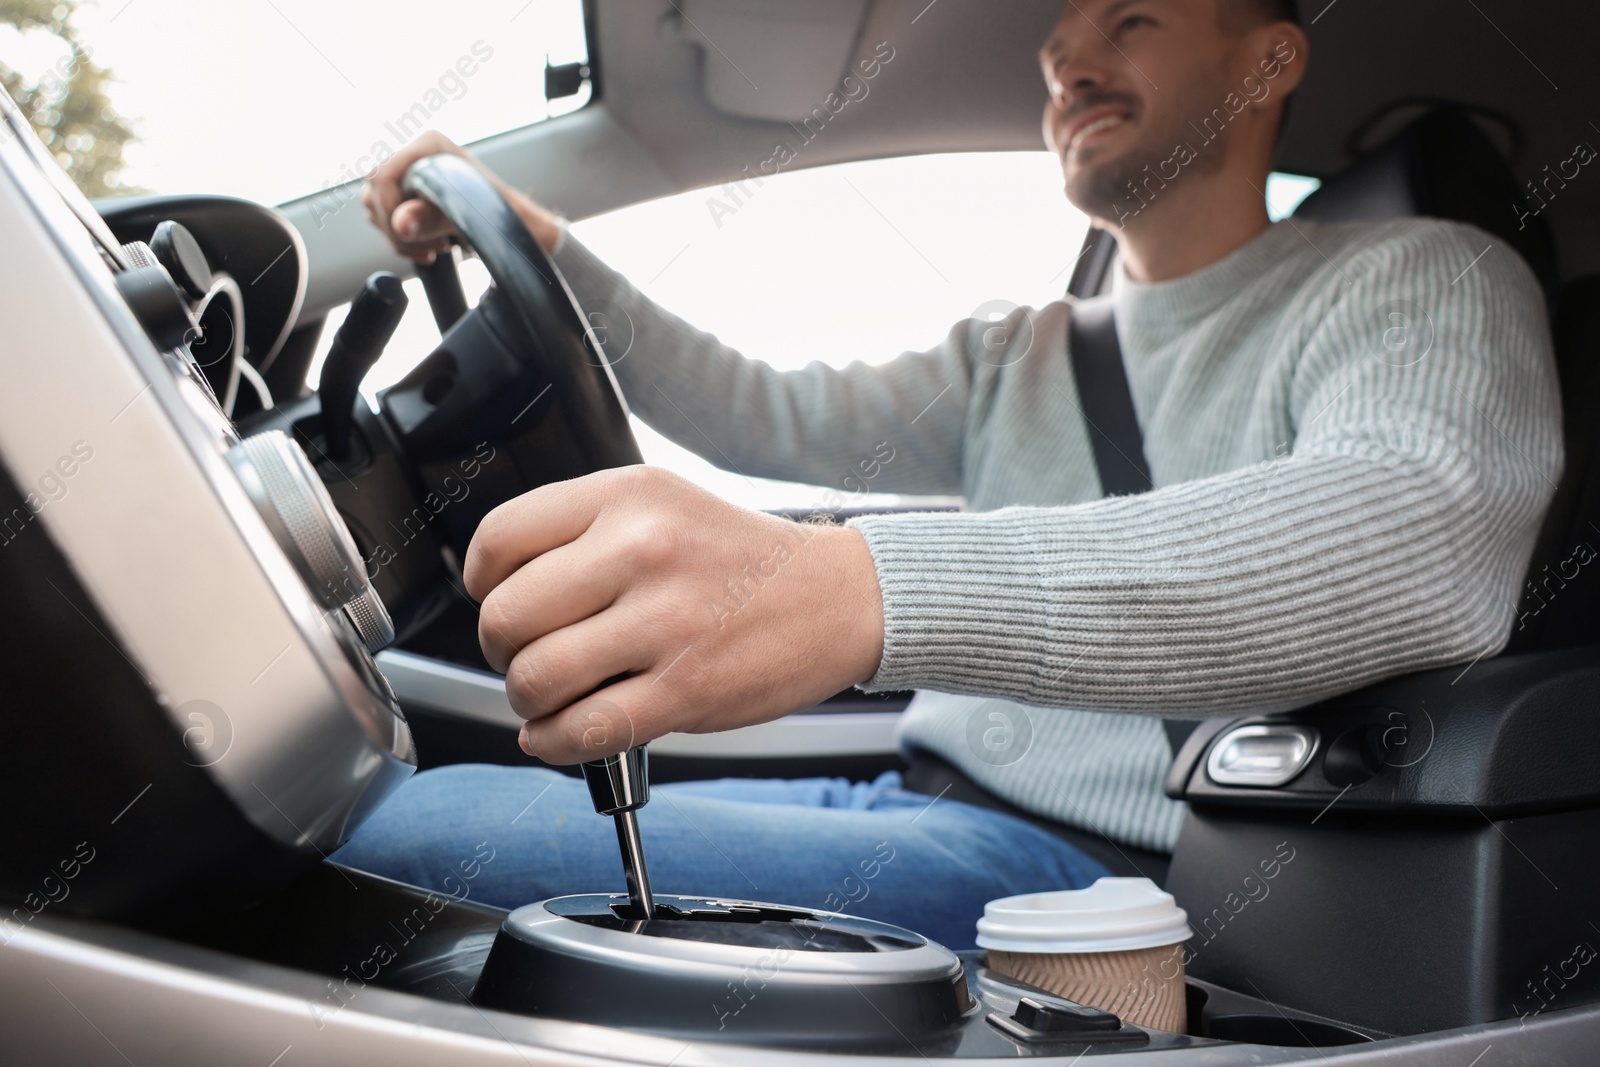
1507 736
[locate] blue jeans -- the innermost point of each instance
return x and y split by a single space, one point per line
508 836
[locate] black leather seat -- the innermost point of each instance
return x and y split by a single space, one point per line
1560 607
1441 165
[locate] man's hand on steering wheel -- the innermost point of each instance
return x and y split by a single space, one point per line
416 228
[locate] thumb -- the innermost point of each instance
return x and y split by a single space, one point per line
408 220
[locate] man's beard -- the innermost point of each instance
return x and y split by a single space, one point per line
1122 186
1105 191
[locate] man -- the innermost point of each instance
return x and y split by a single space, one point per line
1353 432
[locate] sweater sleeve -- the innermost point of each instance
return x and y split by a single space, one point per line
1393 535
820 425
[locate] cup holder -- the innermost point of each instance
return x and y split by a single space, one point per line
1224 1015
1279 1030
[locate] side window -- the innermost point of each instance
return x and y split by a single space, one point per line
858 261
1285 191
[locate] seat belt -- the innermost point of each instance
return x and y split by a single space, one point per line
1107 401
1112 423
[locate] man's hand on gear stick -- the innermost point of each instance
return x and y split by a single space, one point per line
630 603
716 616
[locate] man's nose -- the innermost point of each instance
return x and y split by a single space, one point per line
1073 76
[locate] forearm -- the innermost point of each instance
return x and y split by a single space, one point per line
1259 590
823 425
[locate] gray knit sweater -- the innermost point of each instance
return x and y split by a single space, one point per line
1353 430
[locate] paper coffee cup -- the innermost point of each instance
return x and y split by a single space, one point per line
1117 946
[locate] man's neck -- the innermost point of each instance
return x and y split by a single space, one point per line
1183 237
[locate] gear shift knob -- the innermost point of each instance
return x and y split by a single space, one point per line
619 783
619 786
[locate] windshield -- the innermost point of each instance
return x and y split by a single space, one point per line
277 99
769 277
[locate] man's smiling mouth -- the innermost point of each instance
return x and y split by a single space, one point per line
1093 124
1096 127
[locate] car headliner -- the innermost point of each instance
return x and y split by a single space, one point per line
965 78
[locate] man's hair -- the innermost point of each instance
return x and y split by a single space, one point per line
1248 14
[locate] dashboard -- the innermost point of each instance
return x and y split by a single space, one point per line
240 266
192 658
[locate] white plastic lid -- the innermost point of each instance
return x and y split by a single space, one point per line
1113 915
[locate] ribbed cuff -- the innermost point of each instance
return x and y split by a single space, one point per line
949 580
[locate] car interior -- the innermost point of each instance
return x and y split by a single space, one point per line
208 695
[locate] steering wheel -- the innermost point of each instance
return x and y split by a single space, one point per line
531 315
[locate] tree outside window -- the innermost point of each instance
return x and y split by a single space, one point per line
68 103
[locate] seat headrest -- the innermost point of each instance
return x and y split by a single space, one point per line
1442 165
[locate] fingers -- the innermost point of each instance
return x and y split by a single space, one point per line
415 229
532 524
419 222
602 724
557 672
420 230
557 589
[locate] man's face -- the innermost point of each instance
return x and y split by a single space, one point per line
1126 78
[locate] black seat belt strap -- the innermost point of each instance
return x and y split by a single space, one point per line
1107 401
1111 421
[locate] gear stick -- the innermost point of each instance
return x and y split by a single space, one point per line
367 328
619 786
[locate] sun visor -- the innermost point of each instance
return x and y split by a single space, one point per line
771 59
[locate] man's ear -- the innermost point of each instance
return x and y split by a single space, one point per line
1281 52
